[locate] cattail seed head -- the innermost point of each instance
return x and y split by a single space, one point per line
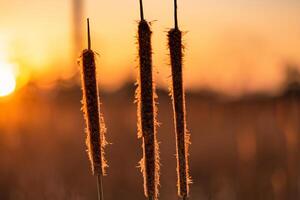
145 96
91 106
177 93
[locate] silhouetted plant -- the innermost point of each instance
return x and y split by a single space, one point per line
94 121
178 97
145 96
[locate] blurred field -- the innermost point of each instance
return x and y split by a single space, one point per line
244 148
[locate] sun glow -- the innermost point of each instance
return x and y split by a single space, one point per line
7 80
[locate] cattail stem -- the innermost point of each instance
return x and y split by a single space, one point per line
147 113
141 10
89 34
100 187
91 106
177 92
175 15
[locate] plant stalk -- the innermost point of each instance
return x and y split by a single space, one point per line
141 10
89 35
175 14
100 187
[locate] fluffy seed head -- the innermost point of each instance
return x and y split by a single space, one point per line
177 93
145 96
94 121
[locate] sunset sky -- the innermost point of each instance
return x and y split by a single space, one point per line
231 45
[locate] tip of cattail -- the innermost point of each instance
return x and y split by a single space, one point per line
88 34
174 32
175 46
175 15
144 26
141 10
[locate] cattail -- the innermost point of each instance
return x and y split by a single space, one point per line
177 93
145 96
94 121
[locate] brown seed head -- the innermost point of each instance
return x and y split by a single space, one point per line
147 113
177 92
91 107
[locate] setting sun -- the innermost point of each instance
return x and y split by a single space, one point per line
7 81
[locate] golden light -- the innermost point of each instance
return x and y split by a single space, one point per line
7 80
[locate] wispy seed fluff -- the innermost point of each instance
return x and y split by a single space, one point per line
178 98
145 97
94 121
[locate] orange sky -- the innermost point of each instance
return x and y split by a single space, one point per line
231 45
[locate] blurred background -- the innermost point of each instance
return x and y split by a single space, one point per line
242 62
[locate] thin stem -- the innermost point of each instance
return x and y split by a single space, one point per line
175 14
141 10
88 34
184 198
100 187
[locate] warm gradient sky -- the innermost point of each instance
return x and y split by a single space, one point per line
232 45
